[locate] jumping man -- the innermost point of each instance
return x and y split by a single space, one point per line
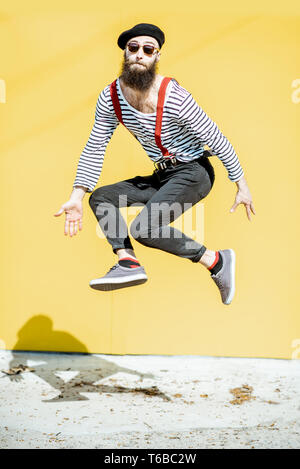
173 130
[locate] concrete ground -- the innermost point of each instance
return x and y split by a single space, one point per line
152 402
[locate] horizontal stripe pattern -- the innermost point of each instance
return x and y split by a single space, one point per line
186 128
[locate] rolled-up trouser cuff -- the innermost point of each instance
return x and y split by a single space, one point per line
199 255
126 245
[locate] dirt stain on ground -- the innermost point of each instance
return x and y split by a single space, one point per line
242 394
17 370
151 391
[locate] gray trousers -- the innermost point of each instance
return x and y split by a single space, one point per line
165 195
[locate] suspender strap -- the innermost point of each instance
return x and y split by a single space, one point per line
115 101
159 115
159 110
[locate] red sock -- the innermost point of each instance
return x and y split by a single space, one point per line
217 264
215 261
129 262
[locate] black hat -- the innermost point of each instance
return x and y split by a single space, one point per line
141 29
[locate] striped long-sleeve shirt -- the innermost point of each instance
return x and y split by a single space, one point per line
186 129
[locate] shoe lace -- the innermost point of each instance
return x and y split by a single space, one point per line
113 268
219 283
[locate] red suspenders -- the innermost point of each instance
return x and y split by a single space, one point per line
115 100
159 115
159 110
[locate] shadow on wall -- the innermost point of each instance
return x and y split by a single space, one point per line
68 373
38 334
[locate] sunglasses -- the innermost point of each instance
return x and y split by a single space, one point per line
148 50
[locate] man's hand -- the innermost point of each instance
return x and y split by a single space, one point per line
73 211
243 196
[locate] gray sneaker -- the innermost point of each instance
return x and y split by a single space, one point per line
120 277
225 278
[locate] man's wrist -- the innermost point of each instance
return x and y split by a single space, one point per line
241 183
78 193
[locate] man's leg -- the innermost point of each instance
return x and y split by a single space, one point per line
181 188
105 203
166 196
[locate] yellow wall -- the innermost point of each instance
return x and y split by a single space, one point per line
240 62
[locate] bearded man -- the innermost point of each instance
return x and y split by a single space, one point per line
173 130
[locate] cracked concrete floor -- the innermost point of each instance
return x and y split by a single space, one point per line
149 402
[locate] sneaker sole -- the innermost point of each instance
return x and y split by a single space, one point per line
232 277
110 285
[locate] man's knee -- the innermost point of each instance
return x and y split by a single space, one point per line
100 196
139 226
142 231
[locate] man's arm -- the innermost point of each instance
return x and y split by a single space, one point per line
90 163
91 159
199 124
78 193
244 197
193 117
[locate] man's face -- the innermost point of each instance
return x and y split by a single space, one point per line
139 67
139 60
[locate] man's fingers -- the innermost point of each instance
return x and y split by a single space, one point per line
59 212
252 208
248 210
75 228
71 228
66 226
234 207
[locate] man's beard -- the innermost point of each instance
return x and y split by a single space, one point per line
140 78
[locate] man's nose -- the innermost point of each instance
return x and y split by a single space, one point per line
140 53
